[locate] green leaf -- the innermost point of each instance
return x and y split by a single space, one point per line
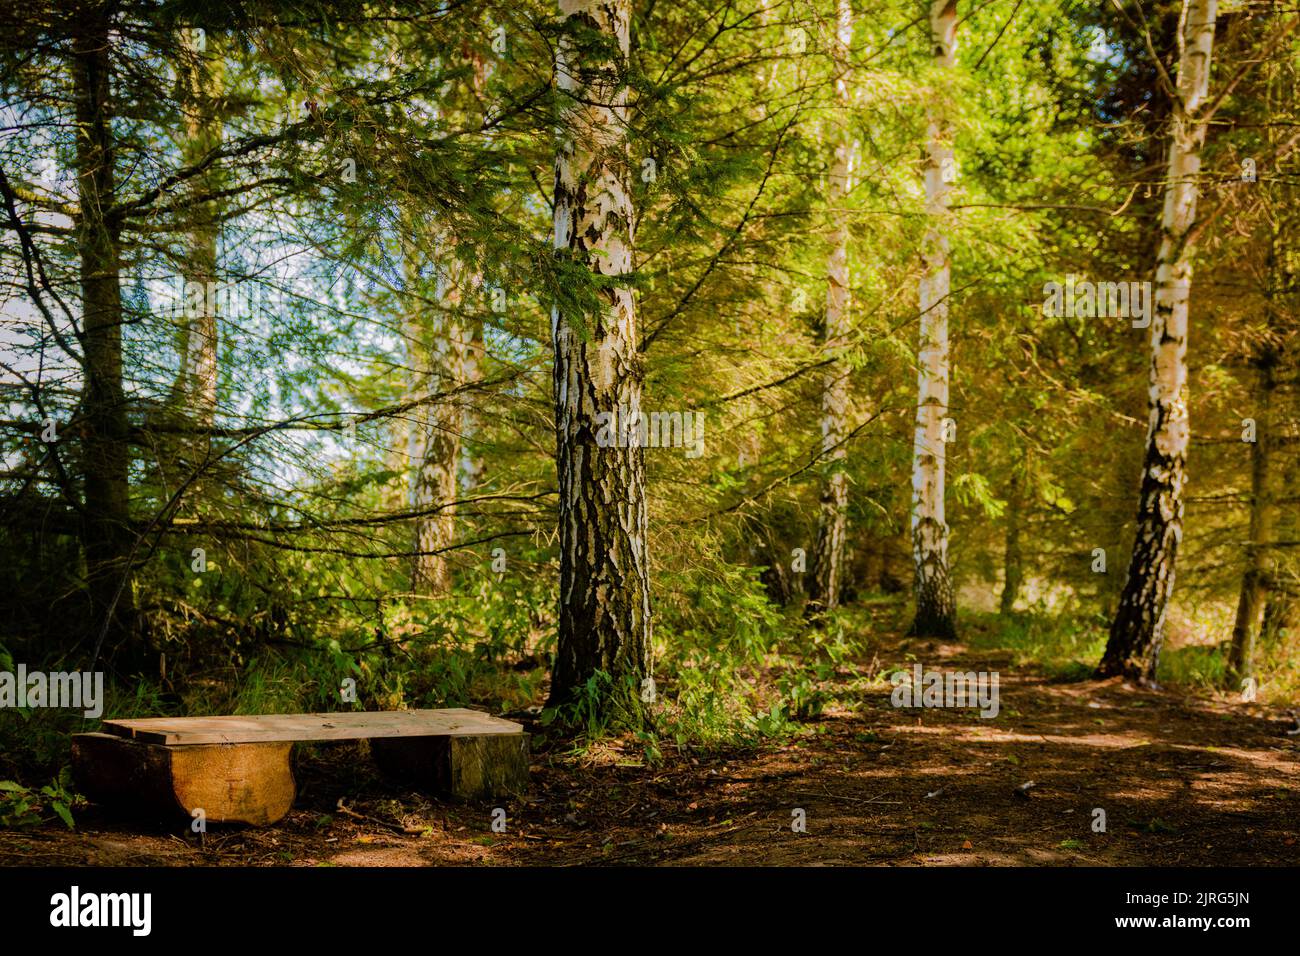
61 808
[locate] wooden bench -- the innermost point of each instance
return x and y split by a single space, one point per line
236 769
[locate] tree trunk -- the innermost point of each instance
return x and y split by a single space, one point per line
472 468
828 553
437 349
604 576
1138 629
444 356
1255 580
1260 576
472 472
107 532
1012 562
1282 610
935 605
195 389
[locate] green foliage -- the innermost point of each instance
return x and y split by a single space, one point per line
1196 666
716 633
600 707
1064 645
24 807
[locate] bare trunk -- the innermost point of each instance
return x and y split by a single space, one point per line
1255 580
437 350
195 388
107 532
472 472
444 358
604 575
1260 575
1012 562
1138 629
828 553
1282 609
935 606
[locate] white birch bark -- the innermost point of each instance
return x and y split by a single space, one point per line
604 576
195 389
443 342
828 553
472 468
437 346
1138 629
935 606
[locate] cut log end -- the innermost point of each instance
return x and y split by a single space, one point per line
229 783
466 767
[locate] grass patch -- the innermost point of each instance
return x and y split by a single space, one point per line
1065 647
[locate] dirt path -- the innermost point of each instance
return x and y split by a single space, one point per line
1181 781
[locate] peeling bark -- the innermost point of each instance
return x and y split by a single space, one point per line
604 575
1136 634
935 604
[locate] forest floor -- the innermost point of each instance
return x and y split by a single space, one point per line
1182 781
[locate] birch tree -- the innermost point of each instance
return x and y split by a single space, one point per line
194 392
828 555
444 341
436 355
935 605
1138 628
472 473
604 620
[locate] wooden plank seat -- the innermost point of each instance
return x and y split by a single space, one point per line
236 769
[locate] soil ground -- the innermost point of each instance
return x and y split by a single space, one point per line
1182 781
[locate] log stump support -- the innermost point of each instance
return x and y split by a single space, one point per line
468 768
230 783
